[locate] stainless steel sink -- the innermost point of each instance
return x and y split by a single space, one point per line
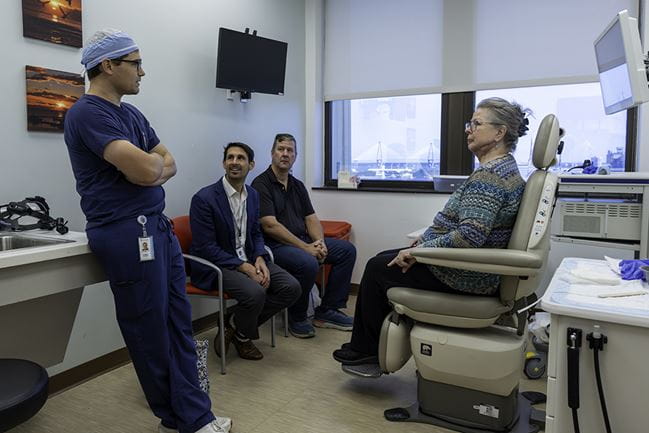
13 241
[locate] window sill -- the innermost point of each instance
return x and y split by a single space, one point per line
380 189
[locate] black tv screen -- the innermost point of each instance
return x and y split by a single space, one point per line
250 63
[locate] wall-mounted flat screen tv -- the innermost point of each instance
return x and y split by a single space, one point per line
250 63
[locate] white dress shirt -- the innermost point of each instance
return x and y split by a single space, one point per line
240 215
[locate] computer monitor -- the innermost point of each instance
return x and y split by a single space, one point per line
620 61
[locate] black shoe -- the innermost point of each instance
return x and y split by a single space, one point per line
229 335
227 319
247 349
348 356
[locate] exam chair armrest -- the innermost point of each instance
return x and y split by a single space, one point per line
490 260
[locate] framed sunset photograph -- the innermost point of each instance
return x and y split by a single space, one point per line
50 94
56 21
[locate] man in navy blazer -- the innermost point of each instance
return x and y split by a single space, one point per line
224 220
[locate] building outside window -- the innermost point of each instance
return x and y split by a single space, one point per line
396 138
590 133
396 142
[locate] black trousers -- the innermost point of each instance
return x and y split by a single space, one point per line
372 303
255 304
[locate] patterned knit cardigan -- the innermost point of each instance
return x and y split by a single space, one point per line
479 214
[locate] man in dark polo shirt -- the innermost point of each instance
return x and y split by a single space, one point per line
294 233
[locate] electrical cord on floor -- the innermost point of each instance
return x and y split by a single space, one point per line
596 342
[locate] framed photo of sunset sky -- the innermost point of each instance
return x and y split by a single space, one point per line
56 21
50 94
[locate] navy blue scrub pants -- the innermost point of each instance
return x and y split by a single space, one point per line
304 267
154 316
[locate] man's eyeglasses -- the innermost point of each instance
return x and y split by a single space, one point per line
137 63
473 124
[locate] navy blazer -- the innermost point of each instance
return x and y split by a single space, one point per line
213 233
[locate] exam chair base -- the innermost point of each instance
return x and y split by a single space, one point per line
526 413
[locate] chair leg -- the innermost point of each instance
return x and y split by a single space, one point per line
272 331
286 322
222 335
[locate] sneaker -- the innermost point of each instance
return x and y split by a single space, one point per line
247 349
163 429
335 319
220 425
302 329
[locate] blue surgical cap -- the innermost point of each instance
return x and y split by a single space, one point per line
106 44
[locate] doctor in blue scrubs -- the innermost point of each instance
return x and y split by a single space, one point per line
120 166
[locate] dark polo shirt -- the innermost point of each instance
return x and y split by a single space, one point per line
288 205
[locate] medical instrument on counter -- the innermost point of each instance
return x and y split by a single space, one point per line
32 207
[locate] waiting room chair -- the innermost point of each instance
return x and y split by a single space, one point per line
182 230
23 391
468 366
331 229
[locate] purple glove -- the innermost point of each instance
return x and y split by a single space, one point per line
591 169
630 269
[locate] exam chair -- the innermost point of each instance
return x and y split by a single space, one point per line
23 391
468 364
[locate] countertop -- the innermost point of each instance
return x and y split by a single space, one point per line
24 256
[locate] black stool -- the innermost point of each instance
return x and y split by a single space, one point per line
23 391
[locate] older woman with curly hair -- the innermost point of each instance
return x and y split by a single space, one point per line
479 214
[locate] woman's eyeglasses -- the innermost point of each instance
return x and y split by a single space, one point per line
473 125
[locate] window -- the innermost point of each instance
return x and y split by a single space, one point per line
590 133
386 139
403 142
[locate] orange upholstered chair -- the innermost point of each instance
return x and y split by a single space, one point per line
337 230
183 232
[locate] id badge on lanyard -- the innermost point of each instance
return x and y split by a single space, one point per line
241 253
145 243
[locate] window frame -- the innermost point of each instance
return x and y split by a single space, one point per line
455 157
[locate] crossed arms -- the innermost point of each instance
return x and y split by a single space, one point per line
141 168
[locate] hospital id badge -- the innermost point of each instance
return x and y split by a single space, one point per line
241 254
146 249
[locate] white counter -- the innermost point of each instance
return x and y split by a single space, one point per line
40 292
78 245
625 322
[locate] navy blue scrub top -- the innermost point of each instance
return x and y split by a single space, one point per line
106 195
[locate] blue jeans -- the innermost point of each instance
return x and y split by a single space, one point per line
304 267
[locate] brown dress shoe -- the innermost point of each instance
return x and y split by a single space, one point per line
247 349
229 336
